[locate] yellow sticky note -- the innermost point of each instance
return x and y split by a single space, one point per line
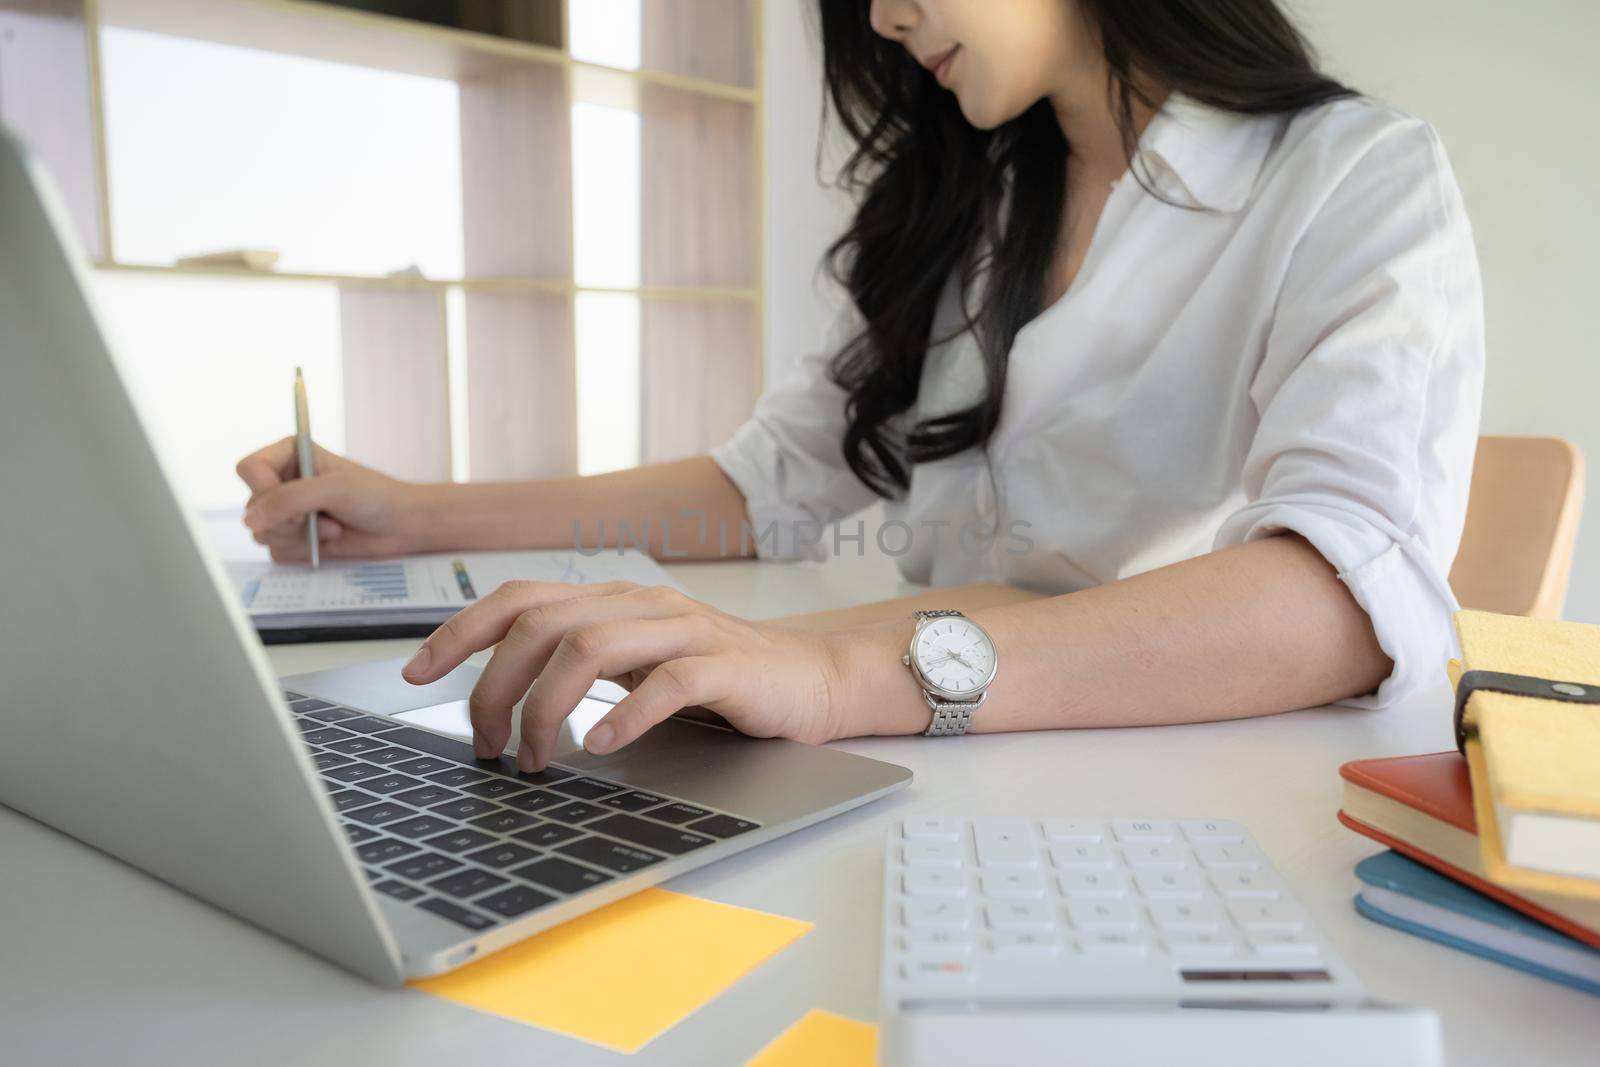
620 976
821 1037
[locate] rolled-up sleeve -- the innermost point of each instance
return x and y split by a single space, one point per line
1368 398
788 460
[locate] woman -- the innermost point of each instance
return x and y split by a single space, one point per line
1148 315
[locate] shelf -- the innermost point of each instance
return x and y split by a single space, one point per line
343 35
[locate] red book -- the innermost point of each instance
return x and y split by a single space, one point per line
1421 806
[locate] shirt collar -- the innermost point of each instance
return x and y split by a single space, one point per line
1205 157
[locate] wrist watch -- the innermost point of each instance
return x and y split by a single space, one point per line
954 661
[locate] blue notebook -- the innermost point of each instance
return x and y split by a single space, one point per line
1408 896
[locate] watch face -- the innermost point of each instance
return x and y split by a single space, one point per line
953 655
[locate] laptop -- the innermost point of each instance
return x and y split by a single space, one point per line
140 715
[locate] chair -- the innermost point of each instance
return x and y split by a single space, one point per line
1522 519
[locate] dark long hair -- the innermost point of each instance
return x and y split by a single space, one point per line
940 198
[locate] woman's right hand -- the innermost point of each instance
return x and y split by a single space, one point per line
361 512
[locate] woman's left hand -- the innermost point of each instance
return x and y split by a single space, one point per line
670 651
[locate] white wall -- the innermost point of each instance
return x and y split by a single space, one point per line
1510 89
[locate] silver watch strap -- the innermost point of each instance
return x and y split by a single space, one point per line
949 719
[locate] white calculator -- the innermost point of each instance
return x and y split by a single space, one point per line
1114 941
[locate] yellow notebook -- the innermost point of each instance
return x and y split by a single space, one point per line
1534 762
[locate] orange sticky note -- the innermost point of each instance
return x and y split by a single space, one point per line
620 976
821 1037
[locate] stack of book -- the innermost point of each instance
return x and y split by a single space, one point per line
1496 847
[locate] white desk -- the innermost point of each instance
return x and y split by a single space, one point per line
100 964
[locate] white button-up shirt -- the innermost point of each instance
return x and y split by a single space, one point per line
1304 353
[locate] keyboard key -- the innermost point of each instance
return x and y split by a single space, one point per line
936 914
423 866
1282 946
636 831
421 826
587 788
558 874
518 900
353 773
1082 857
398 890
1019 915
459 840
503 822
538 800
576 812
378 814
608 854
333 715
1149 831
464 808
678 812
385 849
1204 831
357 834
1104 916
1073 831
346 799
1246 885
1114 946
386 756
326 735
938 974
306 726
372 875
633 800
1187 917
292 697
1012 884
547 776
457 914
1026 944
495 788
327 761
1201 946
933 882
457 776
1170 885
368 724
1229 856
357 745
434 745
548 835
502 855
1094 885
1155 857
1268 916
390 783
926 828
468 883
937 943
722 826
427 794
932 854
309 704
1005 843
422 765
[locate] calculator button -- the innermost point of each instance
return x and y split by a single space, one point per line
1104 916
932 854
1098 885
1157 857
1246 885
1170 885
1268 916
1114 946
941 944
928 829
1152 831
1082 857
1006 843
1075 831
1019 915
1201 946
1201 831
1022 944
1012 884
926 882
1228 857
938 973
1179 916
1282 946
936 915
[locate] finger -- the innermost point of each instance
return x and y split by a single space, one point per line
267 467
485 622
589 653
290 501
667 690
532 638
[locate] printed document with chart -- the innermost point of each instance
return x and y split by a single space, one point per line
395 597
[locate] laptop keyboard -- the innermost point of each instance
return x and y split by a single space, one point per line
475 841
